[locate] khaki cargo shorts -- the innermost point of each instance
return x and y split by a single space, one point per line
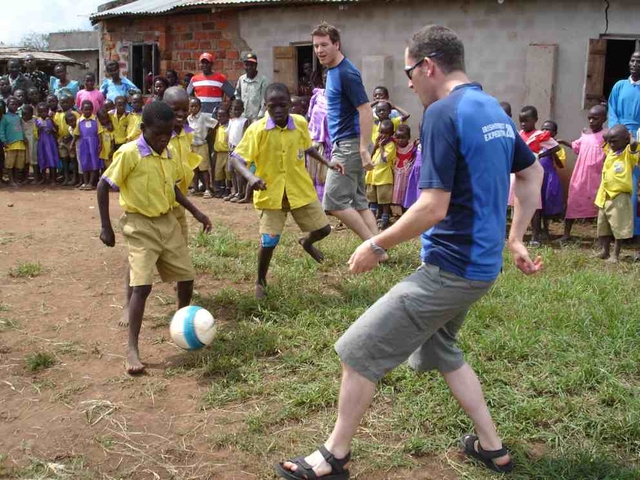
381 194
615 219
15 159
308 218
417 320
203 151
156 242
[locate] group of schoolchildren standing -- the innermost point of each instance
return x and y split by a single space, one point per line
64 140
602 182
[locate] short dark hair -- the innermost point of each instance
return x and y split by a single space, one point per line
28 107
278 88
529 110
157 112
404 127
554 124
86 102
441 44
90 75
111 62
38 106
162 80
326 30
195 99
383 88
386 124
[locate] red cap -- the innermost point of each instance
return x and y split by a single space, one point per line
206 56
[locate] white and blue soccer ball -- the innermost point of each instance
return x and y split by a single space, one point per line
192 328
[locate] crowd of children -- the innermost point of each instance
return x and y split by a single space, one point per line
602 183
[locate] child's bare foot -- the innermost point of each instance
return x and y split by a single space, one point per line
124 321
261 291
613 260
133 365
603 255
316 254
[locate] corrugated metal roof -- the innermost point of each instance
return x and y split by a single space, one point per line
9 53
158 7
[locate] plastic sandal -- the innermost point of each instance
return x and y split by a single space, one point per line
305 472
468 443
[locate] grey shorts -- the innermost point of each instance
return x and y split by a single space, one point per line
418 319
346 191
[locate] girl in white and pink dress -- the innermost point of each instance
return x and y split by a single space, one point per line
587 172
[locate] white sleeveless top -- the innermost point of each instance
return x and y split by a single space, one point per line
235 131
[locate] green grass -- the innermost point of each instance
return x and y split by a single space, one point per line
26 270
558 356
39 361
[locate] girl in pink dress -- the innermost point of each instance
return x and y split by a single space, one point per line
90 93
587 172
406 151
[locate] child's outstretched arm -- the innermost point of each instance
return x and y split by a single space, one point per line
337 166
106 231
197 214
252 180
551 151
565 143
405 115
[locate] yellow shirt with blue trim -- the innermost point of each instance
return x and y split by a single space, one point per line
108 138
279 156
186 159
383 161
562 156
146 179
120 126
376 127
221 141
133 128
617 174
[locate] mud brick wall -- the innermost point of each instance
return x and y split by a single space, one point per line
181 38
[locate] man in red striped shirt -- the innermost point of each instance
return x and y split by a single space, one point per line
209 86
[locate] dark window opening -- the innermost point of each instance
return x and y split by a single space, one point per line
616 65
145 65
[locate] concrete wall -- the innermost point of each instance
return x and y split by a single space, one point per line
496 38
61 41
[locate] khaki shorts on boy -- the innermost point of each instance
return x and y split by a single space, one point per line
156 242
181 217
221 171
615 219
203 151
381 194
15 159
309 218
417 320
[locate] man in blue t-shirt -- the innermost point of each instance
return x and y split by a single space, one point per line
469 148
350 123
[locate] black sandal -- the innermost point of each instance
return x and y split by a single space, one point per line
468 443
305 472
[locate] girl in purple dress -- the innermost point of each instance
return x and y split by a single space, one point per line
413 191
46 133
88 138
319 131
552 191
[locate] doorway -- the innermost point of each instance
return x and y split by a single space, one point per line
616 64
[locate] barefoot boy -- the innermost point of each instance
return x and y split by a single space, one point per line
277 145
147 182
615 218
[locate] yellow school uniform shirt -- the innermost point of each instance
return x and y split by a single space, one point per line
76 131
562 156
133 129
19 145
221 142
617 174
376 127
63 126
383 161
107 144
146 179
120 126
279 157
184 157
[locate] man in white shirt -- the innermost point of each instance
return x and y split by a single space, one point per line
251 88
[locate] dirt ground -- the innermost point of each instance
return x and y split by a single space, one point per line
84 417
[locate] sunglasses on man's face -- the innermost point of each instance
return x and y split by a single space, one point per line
409 70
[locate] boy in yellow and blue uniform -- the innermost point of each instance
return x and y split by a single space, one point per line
146 176
120 121
615 217
379 181
134 117
12 136
277 145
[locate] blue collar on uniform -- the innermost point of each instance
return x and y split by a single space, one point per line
468 85
270 125
145 149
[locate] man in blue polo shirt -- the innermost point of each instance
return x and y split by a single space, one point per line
469 148
350 122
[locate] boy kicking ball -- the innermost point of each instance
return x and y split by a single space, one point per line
277 145
146 176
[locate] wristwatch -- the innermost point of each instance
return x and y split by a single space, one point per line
377 249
